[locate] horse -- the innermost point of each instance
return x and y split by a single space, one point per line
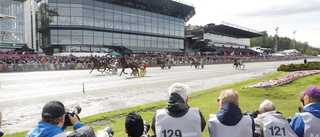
161 62
195 62
238 65
97 64
133 65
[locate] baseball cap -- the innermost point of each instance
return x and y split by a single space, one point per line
312 91
54 108
134 125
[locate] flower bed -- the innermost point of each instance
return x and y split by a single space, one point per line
284 79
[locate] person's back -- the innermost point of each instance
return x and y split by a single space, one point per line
306 124
178 119
273 122
230 122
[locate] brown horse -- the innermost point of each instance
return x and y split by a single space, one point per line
195 62
97 64
133 65
161 62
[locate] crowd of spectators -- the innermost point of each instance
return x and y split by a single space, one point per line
28 61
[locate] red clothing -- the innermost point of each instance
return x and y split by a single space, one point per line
144 65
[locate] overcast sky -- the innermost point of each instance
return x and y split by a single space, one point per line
302 16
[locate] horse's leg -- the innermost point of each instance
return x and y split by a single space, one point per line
91 69
122 71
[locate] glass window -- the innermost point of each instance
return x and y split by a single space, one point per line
148 22
88 22
154 30
53 20
117 25
77 39
64 32
64 20
107 34
98 14
98 40
117 17
76 12
87 40
108 16
125 18
141 28
108 41
88 33
125 42
88 13
88 2
134 27
117 35
64 39
133 20
98 4
116 42
108 24
125 26
54 39
108 6
76 21
154 42
141 21
64 11
53 32
148 29
133 42
76 32
98 34
140 43
99 23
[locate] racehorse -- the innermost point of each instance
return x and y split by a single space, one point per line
97 64
195 62
133 65
161 62
238 64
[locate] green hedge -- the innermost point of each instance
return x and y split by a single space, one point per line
298 67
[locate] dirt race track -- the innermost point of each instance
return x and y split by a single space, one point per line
23 94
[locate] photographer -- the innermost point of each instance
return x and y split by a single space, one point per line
53 119
272 121
135 126
306 123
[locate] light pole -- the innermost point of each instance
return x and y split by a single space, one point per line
276 40
294 40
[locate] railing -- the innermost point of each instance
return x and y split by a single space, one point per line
78 66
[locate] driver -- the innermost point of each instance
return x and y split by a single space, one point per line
143 65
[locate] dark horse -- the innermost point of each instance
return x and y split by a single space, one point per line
97 64
161 62
133 65
195 62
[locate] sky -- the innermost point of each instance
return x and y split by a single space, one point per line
302 16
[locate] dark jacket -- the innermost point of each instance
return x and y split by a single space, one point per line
230 114
177 107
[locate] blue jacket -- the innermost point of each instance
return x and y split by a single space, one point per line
49 130
297 124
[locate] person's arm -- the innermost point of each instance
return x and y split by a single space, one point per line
203 121
153 124
297 125
75 121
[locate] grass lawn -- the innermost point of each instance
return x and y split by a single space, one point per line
285 97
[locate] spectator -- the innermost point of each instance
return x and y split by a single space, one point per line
178 118
230 122
306 124
305 61
273 121
134 125
53 118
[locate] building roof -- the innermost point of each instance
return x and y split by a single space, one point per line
6 17
165 7
226 30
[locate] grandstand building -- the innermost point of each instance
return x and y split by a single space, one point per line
14 24
126 26
223 39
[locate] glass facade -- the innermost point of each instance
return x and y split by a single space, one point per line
95 25
12 32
